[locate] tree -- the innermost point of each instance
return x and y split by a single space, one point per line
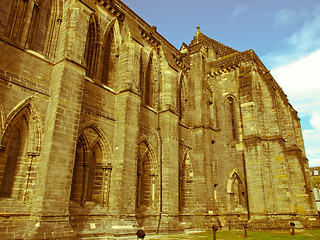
315 181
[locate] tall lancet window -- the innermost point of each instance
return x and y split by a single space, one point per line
91 48
148 87
92 170
182 100
237 192
232 117
144 182
33 25
185 180
16 19
14 155
146 187
109 59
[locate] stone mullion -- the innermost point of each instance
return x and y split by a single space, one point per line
85 183
153 189
106 177
33 159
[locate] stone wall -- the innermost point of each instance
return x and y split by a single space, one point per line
107 128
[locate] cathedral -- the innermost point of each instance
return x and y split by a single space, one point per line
107 128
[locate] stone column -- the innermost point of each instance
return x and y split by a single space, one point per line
124 173
54 174
170 170
200 135
57 157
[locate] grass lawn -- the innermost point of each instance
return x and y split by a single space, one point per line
235 235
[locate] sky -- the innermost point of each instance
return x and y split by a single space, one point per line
285 34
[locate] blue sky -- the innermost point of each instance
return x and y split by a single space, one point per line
285 34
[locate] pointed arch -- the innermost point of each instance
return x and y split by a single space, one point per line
27 108
145 148
16 20
2 117
146 174
236 191
185 180
92 166
53 30
20 139
231 112
34 24
110 54
149 80
91 50
182 98
105 145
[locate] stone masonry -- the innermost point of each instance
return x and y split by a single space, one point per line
106 128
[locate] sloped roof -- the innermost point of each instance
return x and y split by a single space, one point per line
220 49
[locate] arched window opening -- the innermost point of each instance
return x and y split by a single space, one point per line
33 26
16 20
232 119
10 168
185 180
78 173
144 182
148 93
181 100
95 176
91 173
237 193
12 181
141 78
53 31
109 59
146 190
91 48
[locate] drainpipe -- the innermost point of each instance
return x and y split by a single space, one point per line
160 141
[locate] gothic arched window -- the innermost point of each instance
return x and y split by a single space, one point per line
91 47
16 20
185 179
146 179
148 86
144 182
91 172
109 59
15 151
33 26
232 116
20 145
181 100
237 192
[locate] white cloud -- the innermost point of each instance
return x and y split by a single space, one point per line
300 76
238 11
315 121
315 162
300 80
286 17
301 43
311 140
